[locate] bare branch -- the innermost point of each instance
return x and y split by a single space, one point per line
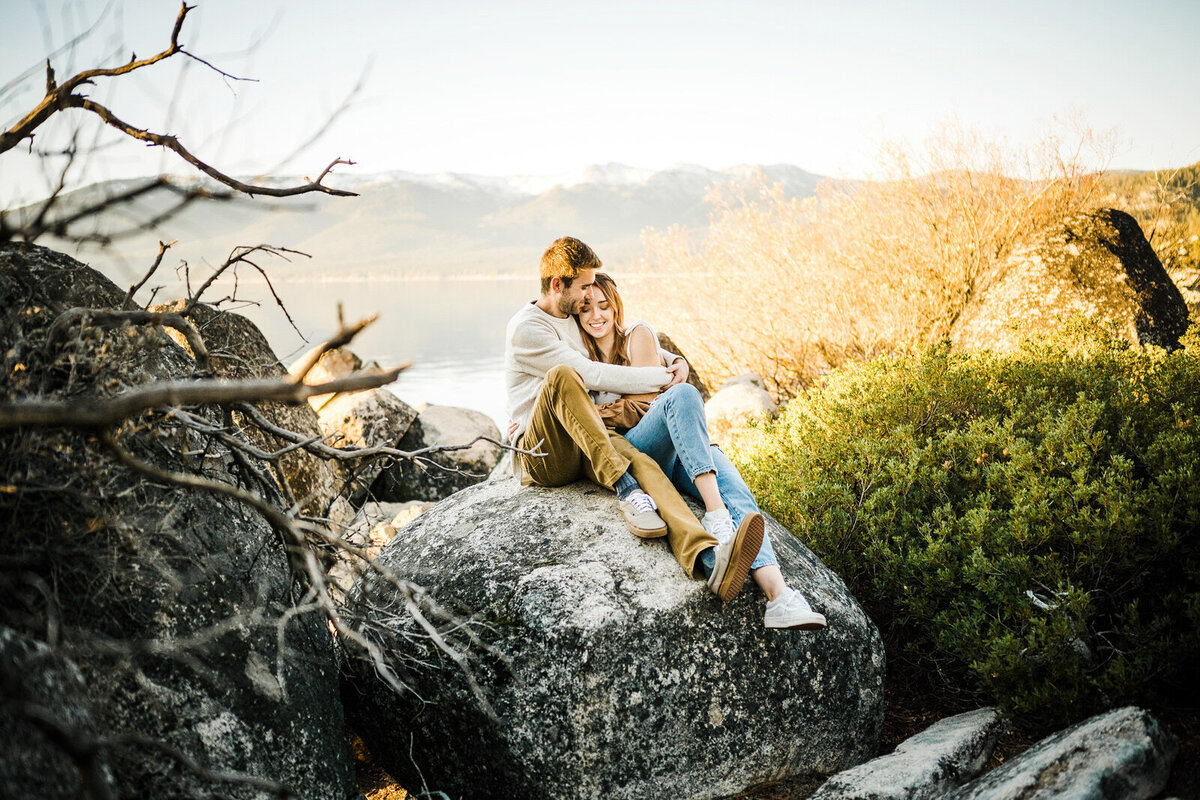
173 144
195 767
162 250
346 453
239 255
60 97
217 70
60 226
95 412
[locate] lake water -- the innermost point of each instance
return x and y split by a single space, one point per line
451 329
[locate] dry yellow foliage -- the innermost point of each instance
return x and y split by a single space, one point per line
790 288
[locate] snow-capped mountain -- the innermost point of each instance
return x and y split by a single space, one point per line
438 224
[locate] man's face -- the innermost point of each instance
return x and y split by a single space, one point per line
579 292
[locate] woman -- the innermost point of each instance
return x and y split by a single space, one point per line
671 429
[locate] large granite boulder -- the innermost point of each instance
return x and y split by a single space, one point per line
45 702
1098 265
441 474
610 673
1124 754
926 766
170 611
238 351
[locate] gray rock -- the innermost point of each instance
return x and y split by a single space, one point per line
374 525
167 601
1121 755
613 675
448 472
46 709
364 419
239 351
1096 264
945 755
748 379
333 364
738 400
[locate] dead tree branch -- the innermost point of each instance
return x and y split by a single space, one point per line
66 95
61 226
241 255
346 453
95 412
343 337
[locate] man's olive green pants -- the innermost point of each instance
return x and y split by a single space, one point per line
576 444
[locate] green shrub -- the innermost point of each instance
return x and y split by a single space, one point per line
1022 528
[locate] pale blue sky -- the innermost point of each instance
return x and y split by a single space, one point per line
544 87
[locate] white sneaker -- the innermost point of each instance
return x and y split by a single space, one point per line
792 612
735 555
641 517
719 524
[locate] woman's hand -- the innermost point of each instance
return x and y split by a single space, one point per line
678 371
512 430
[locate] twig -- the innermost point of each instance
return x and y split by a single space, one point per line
162 249
236 256
173 144
217 70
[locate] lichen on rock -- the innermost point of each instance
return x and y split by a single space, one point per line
611 674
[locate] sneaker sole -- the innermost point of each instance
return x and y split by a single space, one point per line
628 512
747 540
646 533
811 622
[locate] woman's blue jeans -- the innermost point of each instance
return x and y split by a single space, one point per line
675 434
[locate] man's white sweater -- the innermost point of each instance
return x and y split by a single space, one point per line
536 341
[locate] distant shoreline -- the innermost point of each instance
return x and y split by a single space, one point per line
420 278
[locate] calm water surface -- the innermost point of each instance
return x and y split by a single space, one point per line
451 329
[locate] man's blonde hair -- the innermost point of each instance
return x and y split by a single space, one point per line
565 258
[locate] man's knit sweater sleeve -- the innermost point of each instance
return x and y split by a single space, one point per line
536 347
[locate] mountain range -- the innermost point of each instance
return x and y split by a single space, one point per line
423 225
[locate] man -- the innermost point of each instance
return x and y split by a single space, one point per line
548 375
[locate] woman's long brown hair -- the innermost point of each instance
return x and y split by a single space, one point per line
609 288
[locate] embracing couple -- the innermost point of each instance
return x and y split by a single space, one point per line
599 398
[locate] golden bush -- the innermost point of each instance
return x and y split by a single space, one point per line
790 288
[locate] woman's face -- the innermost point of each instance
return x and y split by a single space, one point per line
596 316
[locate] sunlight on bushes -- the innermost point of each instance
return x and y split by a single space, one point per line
790 288
1024 529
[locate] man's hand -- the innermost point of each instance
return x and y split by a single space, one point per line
678 370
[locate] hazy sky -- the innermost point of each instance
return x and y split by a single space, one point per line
526 87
